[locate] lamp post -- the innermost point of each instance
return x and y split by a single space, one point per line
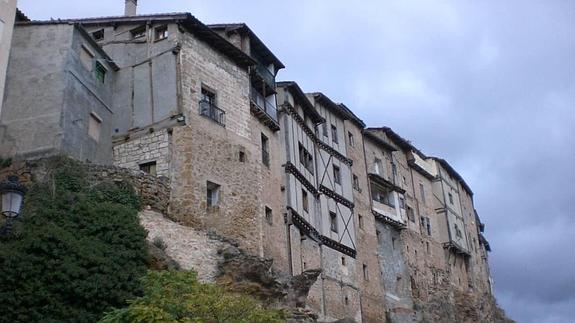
12 192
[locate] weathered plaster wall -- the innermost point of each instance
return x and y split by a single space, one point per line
50 91
36 66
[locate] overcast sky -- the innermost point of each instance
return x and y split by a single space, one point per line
487 85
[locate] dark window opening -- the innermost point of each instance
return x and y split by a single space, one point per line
98 35
333 221
304 200
209 109
265 151
356 183
139 32
365 272
212 194
269 215
100 72
161 33
351 139
242 157
334 134
410 214
336 175
305 158
149 168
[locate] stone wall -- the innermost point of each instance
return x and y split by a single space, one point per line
154 147
154 192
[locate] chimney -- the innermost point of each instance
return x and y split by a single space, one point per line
131 6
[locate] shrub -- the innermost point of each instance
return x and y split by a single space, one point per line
75 252
171 296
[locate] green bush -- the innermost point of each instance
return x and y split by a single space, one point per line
171 296
75 252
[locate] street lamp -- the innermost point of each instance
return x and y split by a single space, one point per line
12 195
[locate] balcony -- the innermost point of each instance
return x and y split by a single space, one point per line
262 77
263 110
388 214
211 111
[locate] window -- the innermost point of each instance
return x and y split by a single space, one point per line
426 225
365 272
305 158
242 156
161 33
87 58
360 221
402 202
212 194
393 243
333 221
209 109
393 168
139 32
304 200
457 231
208 96
269 215
350 139
346 300
336 175
410 214
334 134
356 183
422 192
98 35
378 166
404 180
149 168
450 198
100 72
265 151
343 261
382 195
94 126
324 129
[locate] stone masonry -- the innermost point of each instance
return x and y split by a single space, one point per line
154 147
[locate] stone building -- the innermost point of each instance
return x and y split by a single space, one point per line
290 176
59 84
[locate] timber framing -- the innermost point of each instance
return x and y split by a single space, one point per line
308 131
336 197
292 169
308 229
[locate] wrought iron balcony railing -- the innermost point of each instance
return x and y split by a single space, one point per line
261 103
211 111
